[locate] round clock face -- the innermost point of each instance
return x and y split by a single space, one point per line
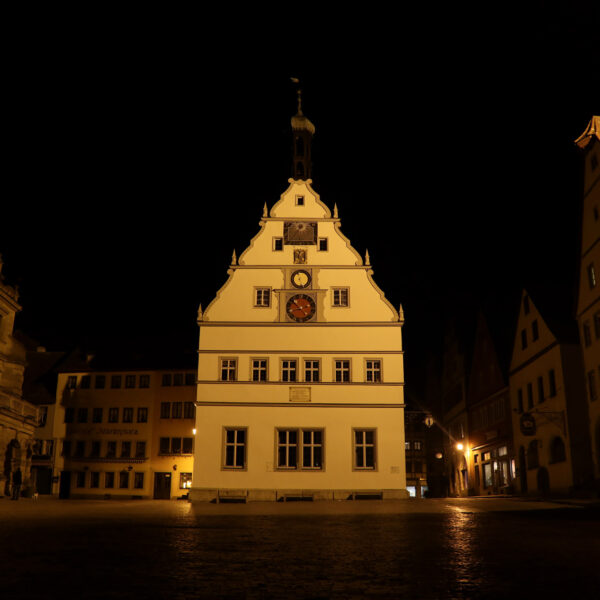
300 308
301 279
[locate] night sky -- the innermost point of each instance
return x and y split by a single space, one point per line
138 163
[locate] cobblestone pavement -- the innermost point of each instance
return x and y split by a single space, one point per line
438 548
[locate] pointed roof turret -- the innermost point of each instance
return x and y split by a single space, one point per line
592 131
302 133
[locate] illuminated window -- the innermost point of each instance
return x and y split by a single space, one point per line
228 369
71 382
591 275
138 480
142 415
189 410
535 334
97 415
124 480
185 481
311 370
278 244
262 297
234 451
140 449
177 410
109 480
129 381
340 296
128 415
144 381
111 449
342 371
373 371
113 415
364 449
551 383
417 445
323 245
165 410
100 382
407 445
125 449
259 369
288 370
115 382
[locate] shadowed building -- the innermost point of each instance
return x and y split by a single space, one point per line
588 304
300 391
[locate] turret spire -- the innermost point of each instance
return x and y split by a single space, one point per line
302 133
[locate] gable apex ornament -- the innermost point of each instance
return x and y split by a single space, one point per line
335 211
367 259
234 258
200 313
265 210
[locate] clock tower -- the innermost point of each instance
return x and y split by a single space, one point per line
300 370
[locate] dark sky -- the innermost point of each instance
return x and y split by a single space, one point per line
139 160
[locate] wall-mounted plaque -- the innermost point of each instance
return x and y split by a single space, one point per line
299 394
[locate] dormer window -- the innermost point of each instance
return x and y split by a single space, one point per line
277 244
323 245
299 200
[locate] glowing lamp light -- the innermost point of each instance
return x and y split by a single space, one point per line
194 431
459 446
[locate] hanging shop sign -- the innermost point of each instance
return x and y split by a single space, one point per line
527 423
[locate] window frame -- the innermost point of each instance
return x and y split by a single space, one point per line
288 370
342 370
229 369
235 444
259 369
311 370
325 241
340 303
372 370
365 445
274 246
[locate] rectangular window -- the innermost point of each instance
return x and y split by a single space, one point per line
551 383
592 385
79 448
111 449
342 371
86 381
541 397
128 415
187 445
277 244
312 448
587 334
115 382
235 448
176 410
373 371
165 410
340 296
124 480
189 410
113 415
323 245
176 445
109 480
71 382
591 276
299 200
259 369
125 449
262 297
178 379
166 380
95 449
164 445
417 445
185 481
407 445
82 415
523 339
66 448
80 479
364 449
288 370
97 415
535 334
138 481
142 414
287 449
100 382
144 381
140 449
228 369
69 414
129 381
311 371
95 479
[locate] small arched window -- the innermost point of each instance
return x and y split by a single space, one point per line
533 460
557 450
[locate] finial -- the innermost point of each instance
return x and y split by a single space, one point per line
234 258
335 211
299 92
401 314
367 258
265 210
200 313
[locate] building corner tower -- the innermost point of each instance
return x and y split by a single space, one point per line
300 369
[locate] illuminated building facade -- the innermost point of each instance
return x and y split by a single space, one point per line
550 424
120 433
300 371
18 417
588 304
